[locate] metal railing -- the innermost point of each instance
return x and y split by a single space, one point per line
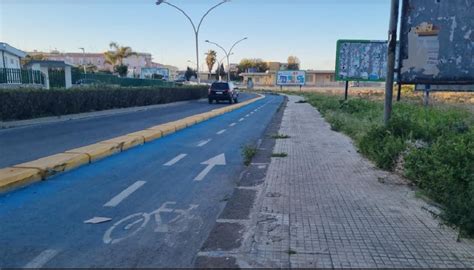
20 76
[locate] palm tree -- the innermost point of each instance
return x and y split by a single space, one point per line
115 57
211 60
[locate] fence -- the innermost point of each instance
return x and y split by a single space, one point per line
20 76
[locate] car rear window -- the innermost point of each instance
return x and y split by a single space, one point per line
220 86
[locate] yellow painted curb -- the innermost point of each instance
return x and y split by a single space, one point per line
127 141
148 134
28 172
54 164
16 177
97 151
165 129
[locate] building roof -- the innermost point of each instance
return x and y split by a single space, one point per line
7 48
49 63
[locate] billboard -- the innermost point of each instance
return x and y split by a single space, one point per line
361 60
291 77
437 42
147 73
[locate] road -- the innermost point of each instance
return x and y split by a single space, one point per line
24 144
163 198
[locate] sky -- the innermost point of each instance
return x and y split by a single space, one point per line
308 29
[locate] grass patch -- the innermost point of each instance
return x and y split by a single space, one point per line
248 152
280 155
280 136
436 143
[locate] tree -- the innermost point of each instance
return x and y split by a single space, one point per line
190 73
257 64
31 57
211 60
293 63
116 56
221 71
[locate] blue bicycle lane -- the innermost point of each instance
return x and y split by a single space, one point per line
195 169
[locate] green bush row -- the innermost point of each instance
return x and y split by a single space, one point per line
17 104
437 145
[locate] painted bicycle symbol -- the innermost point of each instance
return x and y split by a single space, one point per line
178 220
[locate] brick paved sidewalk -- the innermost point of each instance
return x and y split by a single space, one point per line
325 206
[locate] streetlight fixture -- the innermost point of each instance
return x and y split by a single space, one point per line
84 60
196 29
227 54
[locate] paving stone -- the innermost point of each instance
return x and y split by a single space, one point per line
324 206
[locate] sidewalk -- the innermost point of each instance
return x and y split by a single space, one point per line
325 206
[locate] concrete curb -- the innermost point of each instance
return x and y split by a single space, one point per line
29 172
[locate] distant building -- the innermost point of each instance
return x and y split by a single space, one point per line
134 62
316 78
11 56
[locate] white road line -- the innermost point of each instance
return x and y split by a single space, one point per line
241 119
202 143
175 160
247 115
221 131
124 194
42 259
233 124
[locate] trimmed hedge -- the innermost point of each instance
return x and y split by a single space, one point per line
18 104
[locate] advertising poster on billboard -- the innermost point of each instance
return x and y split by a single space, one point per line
148 73
291 77
437 42
361 60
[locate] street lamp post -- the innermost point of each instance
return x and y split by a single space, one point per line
196 29
227 53
84 59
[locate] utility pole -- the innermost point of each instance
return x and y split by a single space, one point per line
392 45
227 53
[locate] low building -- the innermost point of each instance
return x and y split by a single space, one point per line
315 78
11 56
134 62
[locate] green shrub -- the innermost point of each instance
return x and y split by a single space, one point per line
381 146
445 171
17 104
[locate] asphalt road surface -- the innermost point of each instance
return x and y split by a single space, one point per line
151 206
18 145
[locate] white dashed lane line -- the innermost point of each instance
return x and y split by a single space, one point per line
124 194
175 160
233 124
221 131
202 143
42 259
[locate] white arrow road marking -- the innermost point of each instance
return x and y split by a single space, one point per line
175 160
42 259
202 143
233 124
211 163
96 220
221 131
124 194
241 119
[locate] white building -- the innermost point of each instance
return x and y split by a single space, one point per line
10 56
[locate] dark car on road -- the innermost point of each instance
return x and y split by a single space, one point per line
223 91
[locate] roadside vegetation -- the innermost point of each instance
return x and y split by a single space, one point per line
248 152
280 136
279 155
18 104
433 147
